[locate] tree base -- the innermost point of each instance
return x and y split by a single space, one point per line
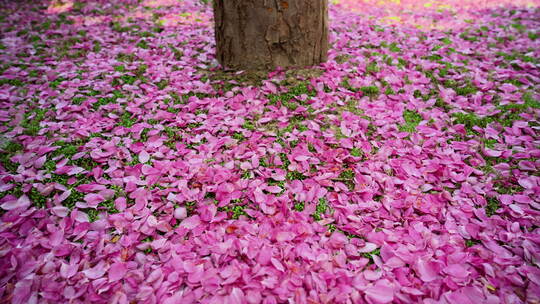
265 34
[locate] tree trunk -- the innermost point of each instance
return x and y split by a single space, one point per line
265 34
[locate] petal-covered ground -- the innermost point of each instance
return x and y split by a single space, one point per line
403 170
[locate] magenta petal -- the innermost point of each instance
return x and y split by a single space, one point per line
381 292
253 296
277 264
93 199
95 272
533 274
117 271
492 153
197 275
369 247
38 163
412 291
68 270
237 296
144 157
457 270
264 256
22 291
180 213
60 211
22 202
301 158
284 236
527 183
384 175
427 270
191 222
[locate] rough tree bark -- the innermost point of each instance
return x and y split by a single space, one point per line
264 34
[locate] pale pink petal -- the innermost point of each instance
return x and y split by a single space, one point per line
382 292
368 247
427 270
22 202
492 153
144 156
277 264
117 271
237 296
527 183
38 163
301 157
95 272
284 236
456 270
180 213
191 222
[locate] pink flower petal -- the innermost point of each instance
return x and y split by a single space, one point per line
427 270
38 163
180 213
22 202
301 158
95 272
492 153
22 292
277 264
284 236
144 156
382 292
526 183
456 270
368 247
191 222
117 271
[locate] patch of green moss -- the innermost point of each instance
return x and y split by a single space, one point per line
299 206
394 48
295 175
162 84
117 27
471 242
356 152
143 44
321 209
125 57
127 119
235 209
371 91
504 187
493 204
372 67
249 125
518 26
74 197
412 120
347 177
470 120
347 174
288 99
32 120
238 136
10 149
467 36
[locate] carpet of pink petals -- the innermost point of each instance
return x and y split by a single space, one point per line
405 171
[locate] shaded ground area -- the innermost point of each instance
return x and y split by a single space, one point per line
403 170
